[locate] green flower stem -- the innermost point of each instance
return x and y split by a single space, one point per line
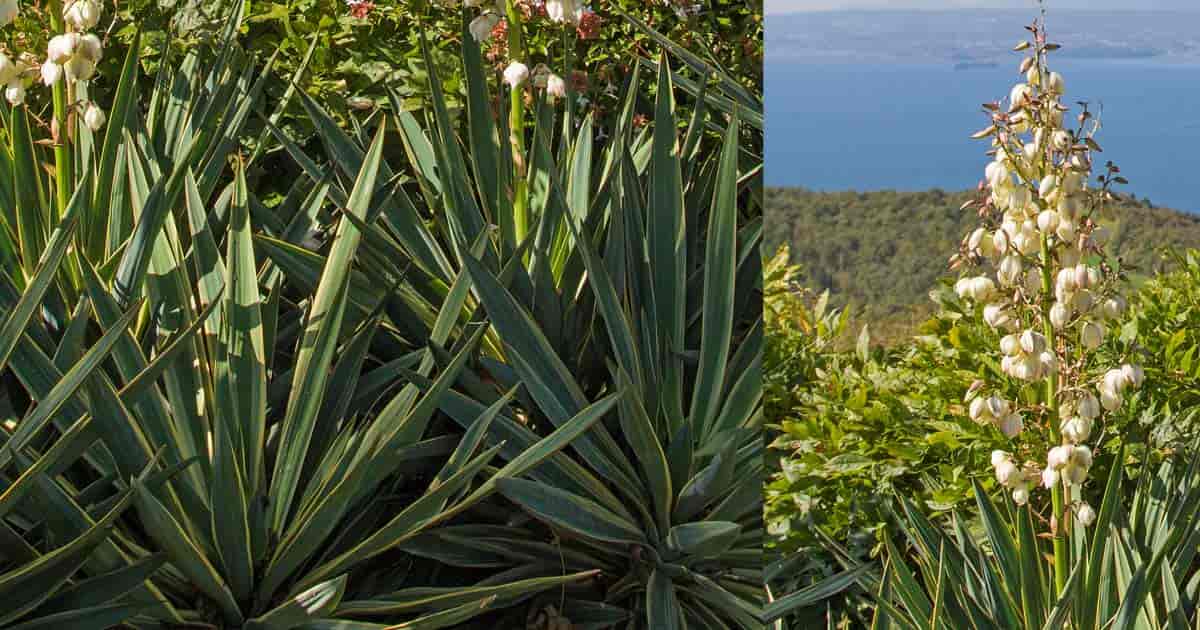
63 165
516 123
1061 561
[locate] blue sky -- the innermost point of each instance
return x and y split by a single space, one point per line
789 6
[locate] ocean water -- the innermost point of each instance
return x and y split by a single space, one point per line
849 126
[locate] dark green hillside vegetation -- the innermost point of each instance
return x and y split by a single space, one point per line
880 253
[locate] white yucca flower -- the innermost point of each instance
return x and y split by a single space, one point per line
81 15
515 74
94 117
568 11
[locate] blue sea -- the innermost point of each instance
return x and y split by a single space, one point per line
906 126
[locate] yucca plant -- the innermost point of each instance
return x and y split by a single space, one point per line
636 277
206 461
1134 568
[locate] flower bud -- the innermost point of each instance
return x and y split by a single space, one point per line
1011 425
1060 315
1020 495
62 47
94 117
564 11
1091 335
557 88
1006 472
15 92
515 74
1085 514
1061 140
1010 345
1133 375
1076 430
481 27
1055 83
1019 95
51 73
1048 184
1058 457
81 15
999 456
1010 270
8 11
1032 342
1047 221
1088 407
1113 307
1049 478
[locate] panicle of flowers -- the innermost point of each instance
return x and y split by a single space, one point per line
491 25
1042 279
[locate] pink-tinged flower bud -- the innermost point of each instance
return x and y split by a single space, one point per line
515 74
1060 315
1134 375
481 27
1049 478
1085 514
1091 335
557 88
51 73
1058 457
1055 83
62 47
1006 472
8 11
1011 425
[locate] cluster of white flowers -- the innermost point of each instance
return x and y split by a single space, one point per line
1050 300
517 73
73 56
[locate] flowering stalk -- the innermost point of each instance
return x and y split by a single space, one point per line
1049 301
63 160
516 121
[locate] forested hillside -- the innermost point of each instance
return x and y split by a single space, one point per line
881 252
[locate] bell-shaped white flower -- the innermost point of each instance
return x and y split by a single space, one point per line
1019 95
568 11
1061 140
1055 83
999 456
1058 457
1009 272
1085 514
14 92
515 74
1076 430
1050 478
1011 425
1010 345
51 72
1091 335
81 15
481 27
1134 375
1113 307
94 117
1032 342
1048 185
1088 406
1006 472
1020 495
1047 221
62 47
1060 315
998 316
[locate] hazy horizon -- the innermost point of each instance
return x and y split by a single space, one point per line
814 6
